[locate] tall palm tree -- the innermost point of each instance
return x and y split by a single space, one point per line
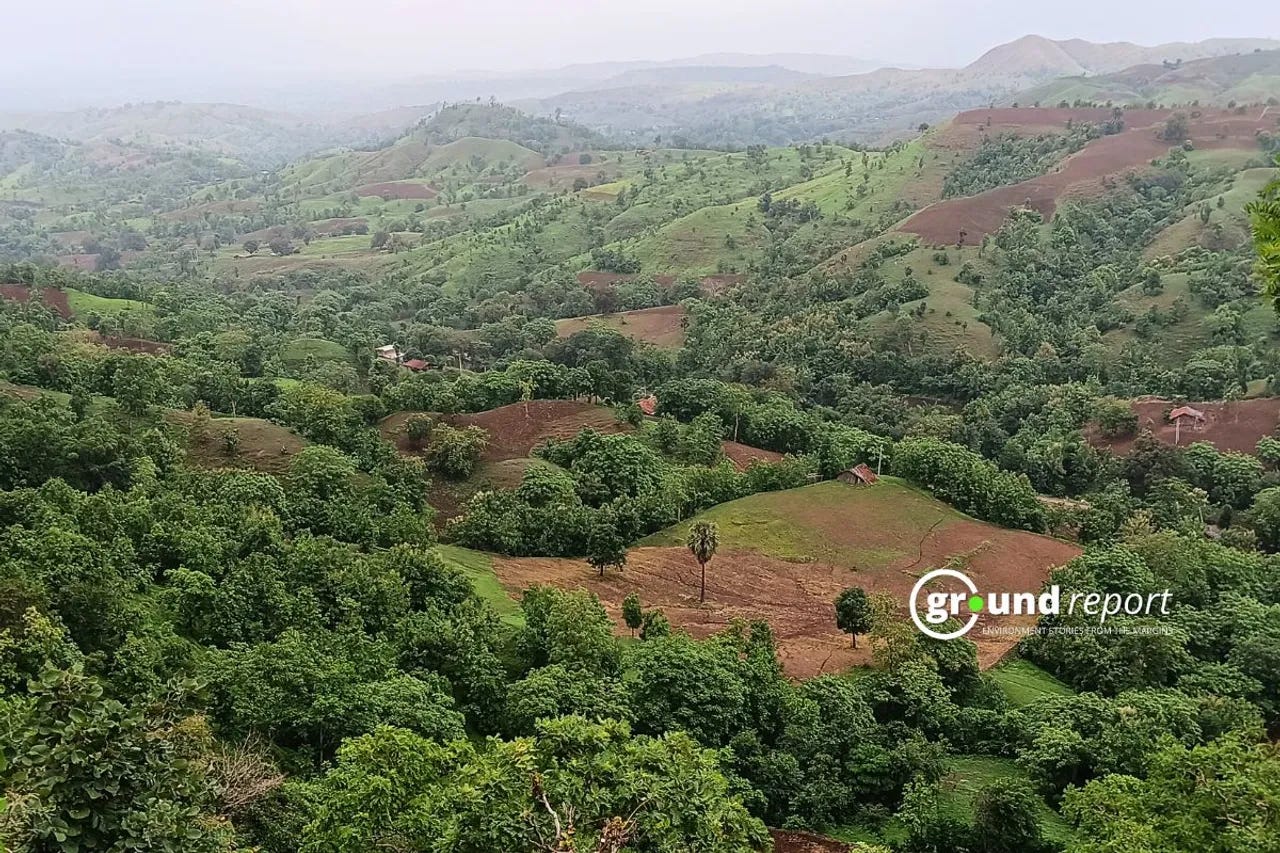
1264 216
704 539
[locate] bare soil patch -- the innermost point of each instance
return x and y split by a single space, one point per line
133 344
743 456
1230 425
805 842
515 430
513 435
1081 174
662 326
51 297
82 262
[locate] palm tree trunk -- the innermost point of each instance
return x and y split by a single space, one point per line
702 596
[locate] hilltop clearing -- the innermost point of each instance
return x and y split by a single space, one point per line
785 556
1228 425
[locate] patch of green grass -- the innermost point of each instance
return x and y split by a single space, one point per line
969 774
349 244
82 303
1023 682
31 392
300 350
812 523
478 568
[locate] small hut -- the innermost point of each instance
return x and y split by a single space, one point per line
1194 417
858 475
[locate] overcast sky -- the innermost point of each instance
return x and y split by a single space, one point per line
149 46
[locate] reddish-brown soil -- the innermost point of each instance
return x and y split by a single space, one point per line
394 189
662 326
51 297
881 551
1230 425
805 842
515 430
562 175
82 262
603 281
743 456
512 438
1081 174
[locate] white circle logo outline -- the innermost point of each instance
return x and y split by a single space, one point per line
915 595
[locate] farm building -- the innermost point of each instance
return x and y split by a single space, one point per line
648 405
858 475
1194 417
388 352
416 364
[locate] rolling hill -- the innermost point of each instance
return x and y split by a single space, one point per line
1245 78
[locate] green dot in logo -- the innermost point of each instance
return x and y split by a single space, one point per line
975 603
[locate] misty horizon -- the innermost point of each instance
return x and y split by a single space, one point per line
82 54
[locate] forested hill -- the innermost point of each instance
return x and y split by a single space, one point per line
500 489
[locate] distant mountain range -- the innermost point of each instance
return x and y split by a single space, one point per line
724 99
1042 58
872 107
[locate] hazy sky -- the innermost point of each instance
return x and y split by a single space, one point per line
153 44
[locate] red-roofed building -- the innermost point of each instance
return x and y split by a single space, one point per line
858 475
648 405
416 364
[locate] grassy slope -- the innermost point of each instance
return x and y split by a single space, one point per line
82 303
479 568
950 319
774 523
1180 340
1023 682
300 350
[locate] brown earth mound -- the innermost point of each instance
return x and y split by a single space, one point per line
395 189
51 297
515 430
1231 425
263 445
1081 174
662 326
743 456
136 344
805 842
881 538
563 175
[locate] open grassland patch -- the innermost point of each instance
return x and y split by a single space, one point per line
478 568
1023 682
